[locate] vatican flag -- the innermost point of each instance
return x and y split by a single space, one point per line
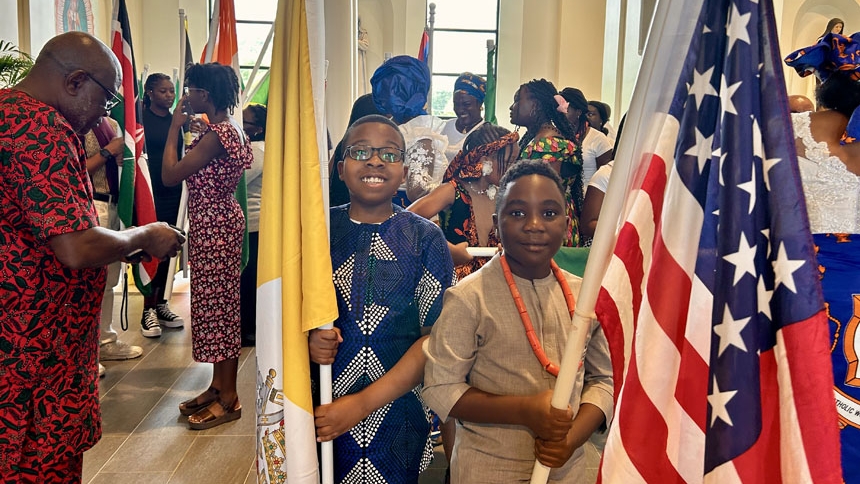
294 286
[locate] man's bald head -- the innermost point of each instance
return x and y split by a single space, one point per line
76 74
80 50
800 104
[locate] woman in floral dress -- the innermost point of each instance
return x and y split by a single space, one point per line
212 168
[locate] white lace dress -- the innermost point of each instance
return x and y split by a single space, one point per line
833 203
426 162
832 192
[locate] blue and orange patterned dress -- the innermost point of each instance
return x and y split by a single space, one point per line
389 279
833 203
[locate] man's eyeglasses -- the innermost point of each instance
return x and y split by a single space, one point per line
187 89
112 97
364 153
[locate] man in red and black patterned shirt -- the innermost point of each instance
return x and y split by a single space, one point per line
52 258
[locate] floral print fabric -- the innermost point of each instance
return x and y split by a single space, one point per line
554 149
217 226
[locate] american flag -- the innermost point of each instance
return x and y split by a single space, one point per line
712 295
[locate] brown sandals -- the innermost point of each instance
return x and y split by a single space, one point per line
194 405
206 417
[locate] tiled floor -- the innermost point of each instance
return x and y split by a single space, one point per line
146 441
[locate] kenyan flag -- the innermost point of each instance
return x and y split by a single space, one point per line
136 206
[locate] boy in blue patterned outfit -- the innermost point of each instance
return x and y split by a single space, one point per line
390 269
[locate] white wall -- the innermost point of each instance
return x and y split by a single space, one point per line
41 32
341 17
156 39
9 23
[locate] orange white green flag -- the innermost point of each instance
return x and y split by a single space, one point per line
295 292
223 48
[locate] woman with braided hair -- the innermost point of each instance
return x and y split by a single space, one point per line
212 168
596 146
465 201
550 137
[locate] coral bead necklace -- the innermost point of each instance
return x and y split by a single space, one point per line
548 365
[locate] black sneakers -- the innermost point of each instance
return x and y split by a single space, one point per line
168 318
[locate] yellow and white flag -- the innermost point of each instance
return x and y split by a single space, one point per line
294 284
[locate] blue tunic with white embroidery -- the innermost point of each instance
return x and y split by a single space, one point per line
389 279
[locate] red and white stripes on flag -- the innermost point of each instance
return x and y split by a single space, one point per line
135 206
711 300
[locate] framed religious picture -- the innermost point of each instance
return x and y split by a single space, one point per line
74 15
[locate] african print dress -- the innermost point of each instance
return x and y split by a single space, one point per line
389 278
49 313
217 227
833 203
458 224
564 153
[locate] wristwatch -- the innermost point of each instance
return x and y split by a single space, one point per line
107 154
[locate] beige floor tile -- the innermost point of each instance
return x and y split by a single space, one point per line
252 478
216 460
144 453
248 366
125 409
132 478
96 457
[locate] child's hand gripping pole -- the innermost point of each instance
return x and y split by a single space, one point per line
574 353
327 448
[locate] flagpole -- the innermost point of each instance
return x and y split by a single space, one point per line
430 23
255 89
143 78
183 200
213 32
326 391
490 99
183 40
605 234
263 51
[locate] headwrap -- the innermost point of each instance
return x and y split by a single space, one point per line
468 165
834 53
472 85
400 87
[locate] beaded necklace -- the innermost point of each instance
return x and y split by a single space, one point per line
490 191
547 365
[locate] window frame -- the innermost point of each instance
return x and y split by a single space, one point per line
454 75
246 67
